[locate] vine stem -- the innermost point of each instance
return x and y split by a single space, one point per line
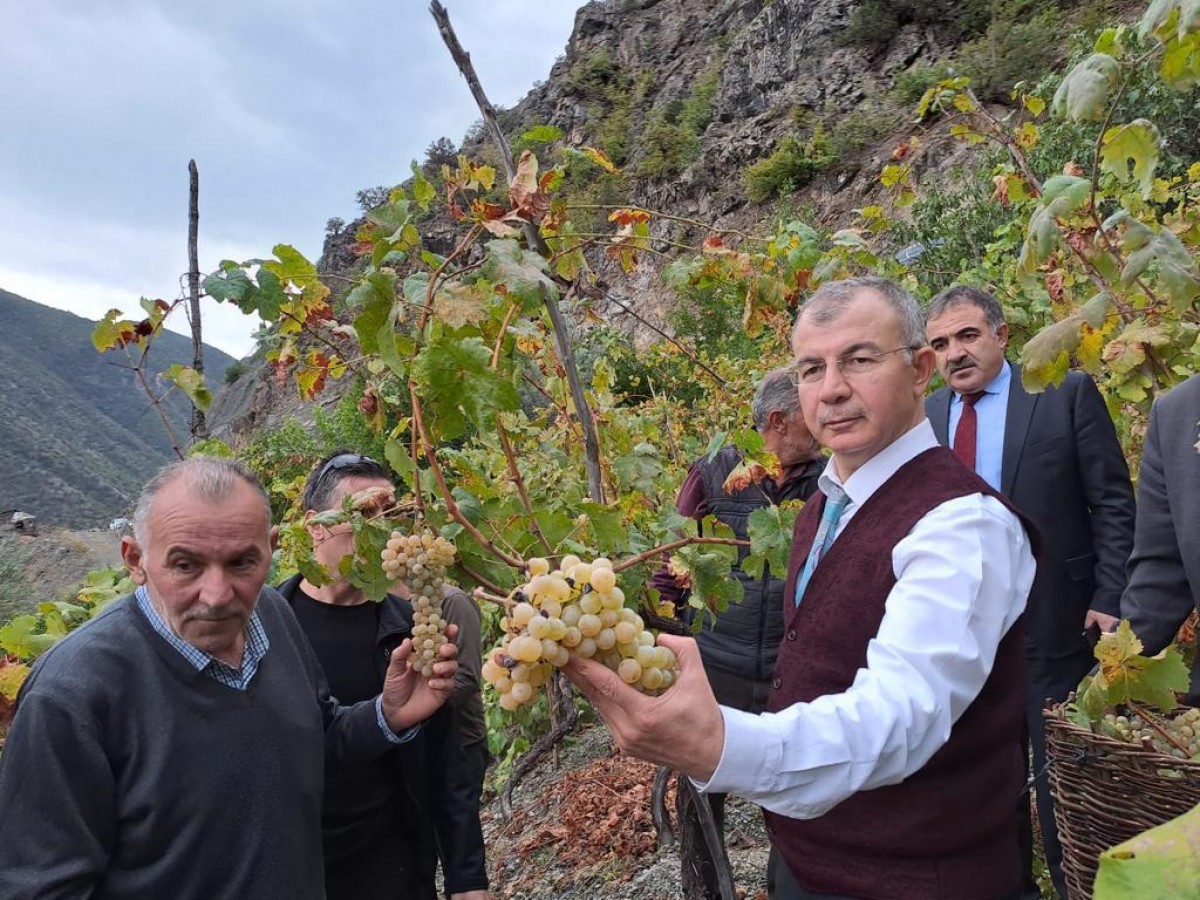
1154 722
459 249
675 545
444 490
494 597
519 483
682 349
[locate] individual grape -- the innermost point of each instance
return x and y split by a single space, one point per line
602 579
629 670
538 566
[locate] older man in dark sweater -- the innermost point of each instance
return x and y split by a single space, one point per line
175 746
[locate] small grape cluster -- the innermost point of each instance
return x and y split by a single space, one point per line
420 561
576 609
1134 729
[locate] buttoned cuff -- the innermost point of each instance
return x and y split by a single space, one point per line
403 737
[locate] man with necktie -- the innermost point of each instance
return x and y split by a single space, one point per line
890 758
1056 457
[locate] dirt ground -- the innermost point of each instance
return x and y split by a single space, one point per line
584 831
50 565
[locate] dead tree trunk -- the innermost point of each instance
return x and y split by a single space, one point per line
199 427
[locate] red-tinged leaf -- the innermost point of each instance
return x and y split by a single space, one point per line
362 248
501 228
525 194
486 211
163 305
901 150
1054 285
713 242
319 314
1001 191
625 217
1074 169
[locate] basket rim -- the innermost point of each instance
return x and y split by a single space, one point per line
1056 717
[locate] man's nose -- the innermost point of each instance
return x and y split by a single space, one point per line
834 386
216 588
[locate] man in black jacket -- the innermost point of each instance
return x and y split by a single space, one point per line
386 824
739 645
1056 456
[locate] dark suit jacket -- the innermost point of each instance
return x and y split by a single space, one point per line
1164 570
1063 468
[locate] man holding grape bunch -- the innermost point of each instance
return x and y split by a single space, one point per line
890 760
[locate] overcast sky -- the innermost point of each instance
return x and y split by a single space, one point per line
288 106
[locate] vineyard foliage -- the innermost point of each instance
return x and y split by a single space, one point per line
1089 237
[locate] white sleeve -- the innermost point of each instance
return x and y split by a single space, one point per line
962 577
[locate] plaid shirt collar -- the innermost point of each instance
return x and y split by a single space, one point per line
256 646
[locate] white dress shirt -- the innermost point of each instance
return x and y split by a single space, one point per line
962 576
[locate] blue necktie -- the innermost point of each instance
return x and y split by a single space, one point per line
835 501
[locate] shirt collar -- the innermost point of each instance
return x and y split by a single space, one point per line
997 385
871 475
256 641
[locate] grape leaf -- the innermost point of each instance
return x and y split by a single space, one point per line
1083 94
1161 862
190 382
375 297
770 529
459 387
20 638
1130 152
12 676
521 272
1046 357
1125 676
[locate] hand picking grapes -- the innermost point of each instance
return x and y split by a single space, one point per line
577 609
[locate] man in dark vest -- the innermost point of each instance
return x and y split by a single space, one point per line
738 645
891 760
1056 456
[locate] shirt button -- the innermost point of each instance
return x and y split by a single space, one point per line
777 683
791 635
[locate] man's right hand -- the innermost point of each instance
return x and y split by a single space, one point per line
682 728
408 698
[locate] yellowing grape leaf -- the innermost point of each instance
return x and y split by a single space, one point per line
1130 152
456 303
12 676
1125 676
190 382
1083 94
1046 356
1162 862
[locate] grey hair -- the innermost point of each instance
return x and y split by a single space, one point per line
211 478
776 391
831 299
967 294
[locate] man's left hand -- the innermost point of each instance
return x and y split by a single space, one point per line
1103 621
409 698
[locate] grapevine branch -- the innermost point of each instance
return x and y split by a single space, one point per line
562 336
444 490
199 427
519 483
672 341
675 545
568 716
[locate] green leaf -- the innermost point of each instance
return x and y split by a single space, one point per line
1130 152
459 388
19 638
112 331
376 298
1083 94
424 193
523 273
607 527
190 382
1174 266
714 446
231 283
1095 310
1125 676
542 134
1046 357
270 297
1163 862
468 505
398 459
640 470
770 529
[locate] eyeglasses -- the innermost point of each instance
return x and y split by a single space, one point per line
859 362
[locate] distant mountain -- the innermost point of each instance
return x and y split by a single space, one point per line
78 437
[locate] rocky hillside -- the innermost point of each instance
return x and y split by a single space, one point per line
735 113
77 435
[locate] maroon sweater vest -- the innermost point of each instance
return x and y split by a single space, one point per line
949 831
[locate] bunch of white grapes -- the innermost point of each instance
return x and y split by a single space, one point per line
576 609
1184 728
420 561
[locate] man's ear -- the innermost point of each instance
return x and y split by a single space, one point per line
131 555
274 538
317 532
777 420
1002 334
925 363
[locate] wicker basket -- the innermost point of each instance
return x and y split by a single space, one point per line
1107 791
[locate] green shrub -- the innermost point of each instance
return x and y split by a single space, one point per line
791 166
1012 51
910 85
855 131
235 371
